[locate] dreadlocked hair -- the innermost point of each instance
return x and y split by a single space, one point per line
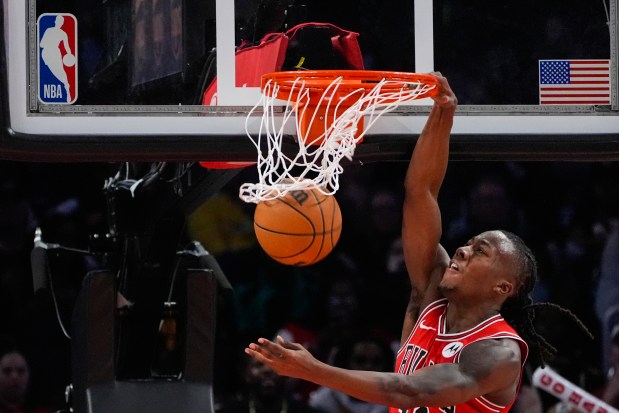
520 311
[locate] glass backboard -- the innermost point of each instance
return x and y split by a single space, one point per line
142 69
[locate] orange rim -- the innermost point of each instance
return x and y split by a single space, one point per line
318 80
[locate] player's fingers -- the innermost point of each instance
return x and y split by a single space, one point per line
274 348
253 351
281 341
443 83
441 98
286 344
445 95
261 353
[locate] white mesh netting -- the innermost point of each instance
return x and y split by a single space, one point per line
317 163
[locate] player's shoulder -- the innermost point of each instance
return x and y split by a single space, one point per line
492 353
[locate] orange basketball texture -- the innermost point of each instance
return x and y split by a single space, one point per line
300 228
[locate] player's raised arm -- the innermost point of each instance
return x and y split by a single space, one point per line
421 229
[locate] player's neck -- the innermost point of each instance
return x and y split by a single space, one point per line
461 317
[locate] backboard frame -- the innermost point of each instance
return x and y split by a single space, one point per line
193 132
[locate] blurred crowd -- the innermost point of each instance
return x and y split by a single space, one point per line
348 308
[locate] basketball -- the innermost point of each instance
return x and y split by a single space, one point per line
68 60
300 228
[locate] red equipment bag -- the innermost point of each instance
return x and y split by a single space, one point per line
269 55
292 46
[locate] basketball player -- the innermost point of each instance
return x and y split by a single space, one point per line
458 352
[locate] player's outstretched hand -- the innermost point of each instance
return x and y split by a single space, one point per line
286 359
445 97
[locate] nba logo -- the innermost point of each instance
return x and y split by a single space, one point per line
57 58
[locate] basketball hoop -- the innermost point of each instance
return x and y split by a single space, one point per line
333 110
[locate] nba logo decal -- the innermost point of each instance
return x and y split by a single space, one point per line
57 51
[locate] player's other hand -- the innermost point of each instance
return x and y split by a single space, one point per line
286 359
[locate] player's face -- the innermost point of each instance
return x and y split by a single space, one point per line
479 266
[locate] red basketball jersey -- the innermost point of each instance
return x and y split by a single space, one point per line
429 344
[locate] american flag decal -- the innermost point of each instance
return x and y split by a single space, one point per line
574 82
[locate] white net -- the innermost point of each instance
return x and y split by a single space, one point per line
317 163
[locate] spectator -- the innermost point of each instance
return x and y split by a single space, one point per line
345 317
263 391
607 293
611 392
488 205
362 353
15 394
529 399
